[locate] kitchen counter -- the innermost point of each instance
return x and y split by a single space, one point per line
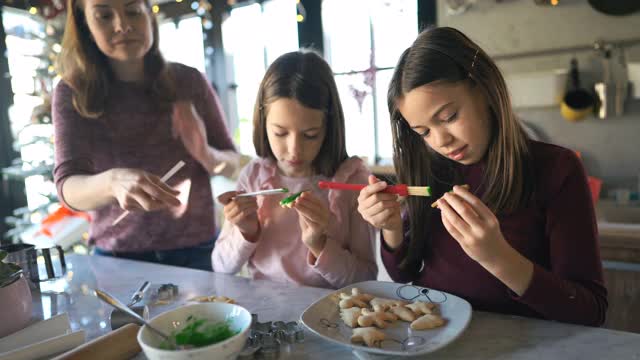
489 336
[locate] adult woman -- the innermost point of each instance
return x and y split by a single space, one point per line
123 117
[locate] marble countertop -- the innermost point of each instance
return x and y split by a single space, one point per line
489 336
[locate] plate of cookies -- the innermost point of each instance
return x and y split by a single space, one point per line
389 318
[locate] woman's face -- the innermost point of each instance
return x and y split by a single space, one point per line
452 118
122 29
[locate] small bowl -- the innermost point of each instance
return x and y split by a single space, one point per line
239 318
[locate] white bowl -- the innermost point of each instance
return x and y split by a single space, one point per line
239 318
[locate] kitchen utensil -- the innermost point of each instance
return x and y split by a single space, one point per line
611 92
264 192
138 295
577 102
119 318
400 189
122 307
615 7
26 256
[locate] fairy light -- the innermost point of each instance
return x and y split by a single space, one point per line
302 13
33 10
155 9
178 1
555 2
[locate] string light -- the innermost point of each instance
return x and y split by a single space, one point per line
33 10
178 1
207 24
555 2
302 12
155 9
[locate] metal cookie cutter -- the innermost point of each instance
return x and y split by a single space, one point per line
266 338
167 292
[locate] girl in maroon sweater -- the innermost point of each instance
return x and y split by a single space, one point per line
523 239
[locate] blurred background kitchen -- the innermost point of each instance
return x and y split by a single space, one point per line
572 67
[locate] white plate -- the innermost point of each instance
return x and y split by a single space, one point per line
323 318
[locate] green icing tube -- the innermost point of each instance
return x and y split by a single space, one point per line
290 199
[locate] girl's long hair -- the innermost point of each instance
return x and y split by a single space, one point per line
303 76
447 55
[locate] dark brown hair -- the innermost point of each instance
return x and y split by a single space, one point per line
86 69
447 55
303 76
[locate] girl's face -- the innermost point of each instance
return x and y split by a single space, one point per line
452 118
295 134
122 29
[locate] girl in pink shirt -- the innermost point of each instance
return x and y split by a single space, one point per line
299 136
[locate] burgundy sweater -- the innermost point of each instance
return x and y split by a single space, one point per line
557 232
134 133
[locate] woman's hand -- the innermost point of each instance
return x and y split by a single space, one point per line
189 127
314 221
243 213
136 189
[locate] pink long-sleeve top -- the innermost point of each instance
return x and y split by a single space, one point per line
279 254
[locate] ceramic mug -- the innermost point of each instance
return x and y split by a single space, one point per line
15 306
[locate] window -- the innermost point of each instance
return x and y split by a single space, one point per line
250 52
182 42
363 40
31 81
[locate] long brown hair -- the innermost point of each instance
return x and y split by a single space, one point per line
445 54
86 69
303 76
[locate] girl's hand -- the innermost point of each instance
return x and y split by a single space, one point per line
477 230
473 225
243 213
314 221
379 209
138 190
